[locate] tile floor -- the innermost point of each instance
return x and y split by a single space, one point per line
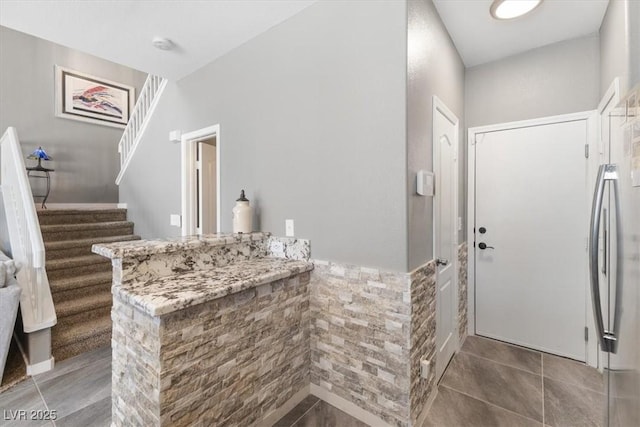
78 389
488 383
313 412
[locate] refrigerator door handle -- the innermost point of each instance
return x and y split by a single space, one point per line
608 172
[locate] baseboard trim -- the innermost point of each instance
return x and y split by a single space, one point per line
41 367
283 410
348 407
83 206
423 415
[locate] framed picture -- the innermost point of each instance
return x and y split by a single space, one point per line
87 98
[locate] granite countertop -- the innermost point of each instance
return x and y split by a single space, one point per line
147 247
173 293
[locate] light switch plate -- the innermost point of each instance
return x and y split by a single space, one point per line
288 228
175 135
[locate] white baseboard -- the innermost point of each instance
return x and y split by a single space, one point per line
283 410
40 367
84 206
348 407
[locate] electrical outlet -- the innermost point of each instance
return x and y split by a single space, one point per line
175 220
459 223
424 368
288 228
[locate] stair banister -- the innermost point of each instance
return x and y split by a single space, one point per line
27 249
142 112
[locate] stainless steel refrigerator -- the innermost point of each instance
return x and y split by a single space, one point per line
614 252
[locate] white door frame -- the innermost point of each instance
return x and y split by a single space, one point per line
189 147
591 117
440 106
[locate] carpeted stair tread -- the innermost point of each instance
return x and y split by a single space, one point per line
80 332
75 282
81 281
93 342
83 317
69 228
78 261
77 216
67 244
86 303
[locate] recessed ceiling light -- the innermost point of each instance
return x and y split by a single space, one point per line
162 43
509 9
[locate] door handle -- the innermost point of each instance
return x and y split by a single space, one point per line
442 261
484 246
605 239
607 339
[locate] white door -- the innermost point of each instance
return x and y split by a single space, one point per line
206 182
531 224
445 143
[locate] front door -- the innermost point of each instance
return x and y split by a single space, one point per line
531 224
445 143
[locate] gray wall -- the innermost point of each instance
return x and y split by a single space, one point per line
555 79
619 36
433 68
634 42
312 118
85 155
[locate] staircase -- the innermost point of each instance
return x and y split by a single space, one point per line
80 280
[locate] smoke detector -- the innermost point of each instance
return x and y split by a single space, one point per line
162 43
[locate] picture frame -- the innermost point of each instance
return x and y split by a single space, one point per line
91 99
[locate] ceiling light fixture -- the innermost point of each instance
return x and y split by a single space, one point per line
162 43
510 9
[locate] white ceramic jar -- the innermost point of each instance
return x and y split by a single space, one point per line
242 215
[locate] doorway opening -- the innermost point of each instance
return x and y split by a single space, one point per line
201 181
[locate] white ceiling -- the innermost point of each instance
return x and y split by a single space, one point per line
121 31
480 38
203 30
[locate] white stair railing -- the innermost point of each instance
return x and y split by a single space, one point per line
146 104
27 247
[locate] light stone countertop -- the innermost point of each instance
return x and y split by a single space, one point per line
173 293
161 246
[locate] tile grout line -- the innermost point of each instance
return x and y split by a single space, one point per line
499 363
44 402
305 413
489 403
573 384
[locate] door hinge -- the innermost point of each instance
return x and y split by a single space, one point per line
586 151
586 333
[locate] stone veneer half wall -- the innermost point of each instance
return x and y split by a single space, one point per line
423 336
231 361
369 331
463 299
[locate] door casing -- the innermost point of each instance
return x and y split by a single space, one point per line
189 146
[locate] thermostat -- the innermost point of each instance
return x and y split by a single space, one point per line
424 183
